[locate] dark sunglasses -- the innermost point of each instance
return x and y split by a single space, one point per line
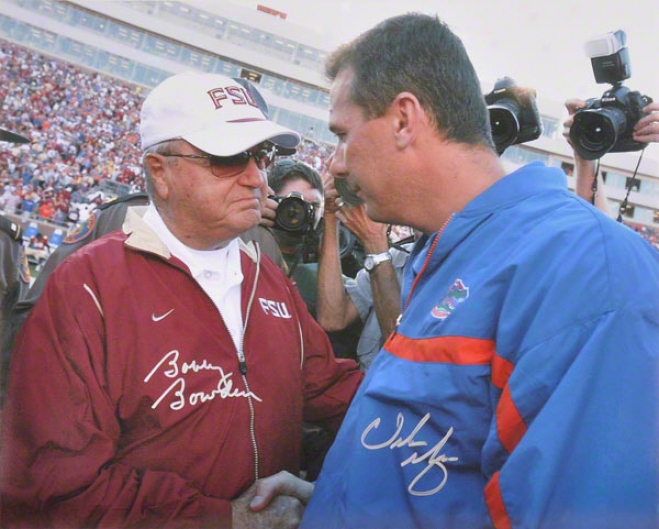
226 166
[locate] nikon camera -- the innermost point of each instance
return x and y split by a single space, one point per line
607 124
514 116
294 214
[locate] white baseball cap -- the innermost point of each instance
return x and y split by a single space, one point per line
215 113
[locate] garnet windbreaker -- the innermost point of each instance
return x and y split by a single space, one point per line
127 406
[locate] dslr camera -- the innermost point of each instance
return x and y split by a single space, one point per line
514 116
607 124
294 214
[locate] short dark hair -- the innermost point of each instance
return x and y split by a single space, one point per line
287 169
416 53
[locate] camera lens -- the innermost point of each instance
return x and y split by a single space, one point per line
594 131
293 214
504 123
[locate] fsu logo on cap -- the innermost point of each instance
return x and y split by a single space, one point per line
456 294
237 95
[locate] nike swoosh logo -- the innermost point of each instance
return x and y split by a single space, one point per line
158 318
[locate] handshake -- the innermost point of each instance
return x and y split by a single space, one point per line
277 502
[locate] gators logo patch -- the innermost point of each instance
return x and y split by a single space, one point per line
456 294
82 230
24 268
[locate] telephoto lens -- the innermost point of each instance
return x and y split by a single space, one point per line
513 114
504 123
594 132
607 124
294 214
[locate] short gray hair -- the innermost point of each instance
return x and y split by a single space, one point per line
163 147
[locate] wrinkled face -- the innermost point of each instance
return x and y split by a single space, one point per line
362 151
202 210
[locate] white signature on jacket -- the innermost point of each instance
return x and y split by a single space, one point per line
432 457
169 367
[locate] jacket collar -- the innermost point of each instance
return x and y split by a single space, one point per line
142 237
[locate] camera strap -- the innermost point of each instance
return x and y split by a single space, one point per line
594 185
296 261
632 182
399 244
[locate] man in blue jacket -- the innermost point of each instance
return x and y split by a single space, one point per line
520 387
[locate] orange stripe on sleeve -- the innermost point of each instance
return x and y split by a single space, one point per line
510 424
494 502
501 371
448 349
468 351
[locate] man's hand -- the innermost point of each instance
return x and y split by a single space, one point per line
372 234
269 210
647 128
282 483
333 201
276 502
585 171
572 105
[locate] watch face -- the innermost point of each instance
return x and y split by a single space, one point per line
369 263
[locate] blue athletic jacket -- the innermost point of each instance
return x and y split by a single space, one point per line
520 388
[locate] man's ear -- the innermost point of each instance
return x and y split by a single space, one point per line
409 117
155 165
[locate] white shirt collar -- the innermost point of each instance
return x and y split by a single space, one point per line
224 261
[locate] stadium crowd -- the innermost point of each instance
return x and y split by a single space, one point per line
83 127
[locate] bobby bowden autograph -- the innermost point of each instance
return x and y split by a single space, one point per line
169 367
432 457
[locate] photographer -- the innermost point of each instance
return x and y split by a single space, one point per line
293 215
295 233
647 128
373 296
587 178
645 131
621 120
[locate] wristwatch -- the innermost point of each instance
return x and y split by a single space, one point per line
372 260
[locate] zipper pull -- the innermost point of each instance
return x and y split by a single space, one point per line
242 362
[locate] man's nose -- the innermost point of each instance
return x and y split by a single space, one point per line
337 165
252 176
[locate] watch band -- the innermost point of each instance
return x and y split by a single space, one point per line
372 260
